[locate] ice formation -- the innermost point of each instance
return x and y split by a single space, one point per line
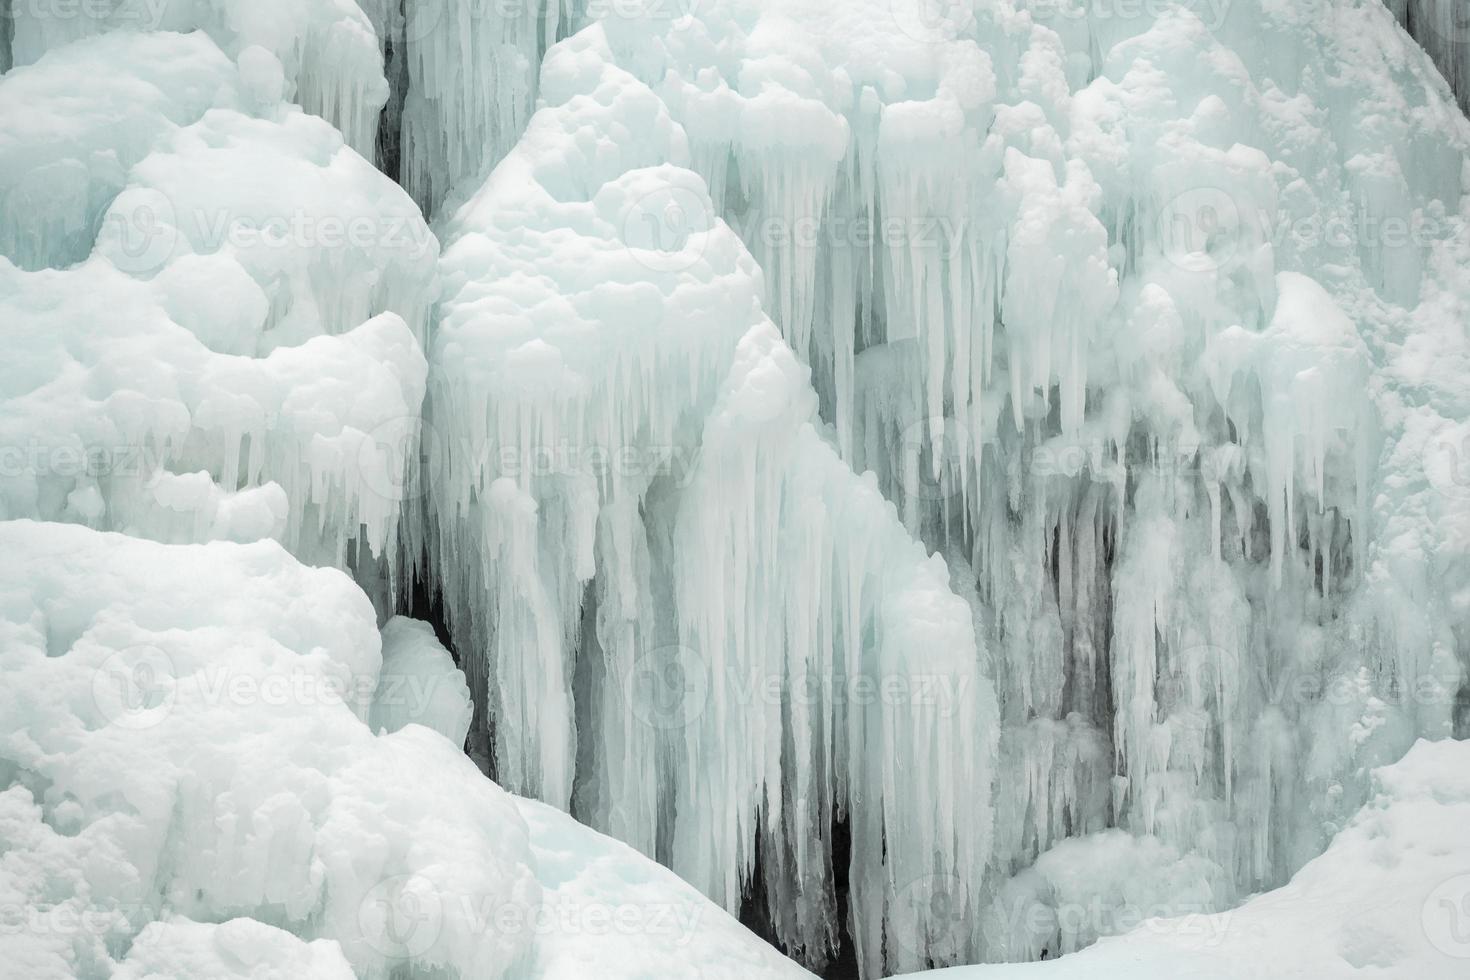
244 680
183 728
469 84
609 437
1106 345
419 683
660 925
325 51
1141 354
1442 28
1351 911
913 469
229 345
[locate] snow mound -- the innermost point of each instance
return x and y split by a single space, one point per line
191 775
240 949
233 351
119 418
328 240
1389 896
419 684
75 122
321 54
184 726
617 914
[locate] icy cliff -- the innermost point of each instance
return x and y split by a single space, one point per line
875 460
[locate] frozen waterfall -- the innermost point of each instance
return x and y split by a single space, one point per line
938 478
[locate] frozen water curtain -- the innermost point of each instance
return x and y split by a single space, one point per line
916 469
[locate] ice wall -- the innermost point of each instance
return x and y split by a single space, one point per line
1150 325
229 346
1442 28
1124 314
327 49
1345 912
672 590
466 73
419 684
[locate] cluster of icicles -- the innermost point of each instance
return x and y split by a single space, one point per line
1048 516
1127 414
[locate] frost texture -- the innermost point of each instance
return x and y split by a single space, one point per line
1144 332
419 684
325 52
1442 28
636 523
240 949
192 774
233 350
244 679
1350 910
471 68
1105 345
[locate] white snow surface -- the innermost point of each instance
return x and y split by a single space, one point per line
184 726
320 54
229 345
240 949
577 350
419 683
617 914
1021 440
1127 349
1385 899
184 731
